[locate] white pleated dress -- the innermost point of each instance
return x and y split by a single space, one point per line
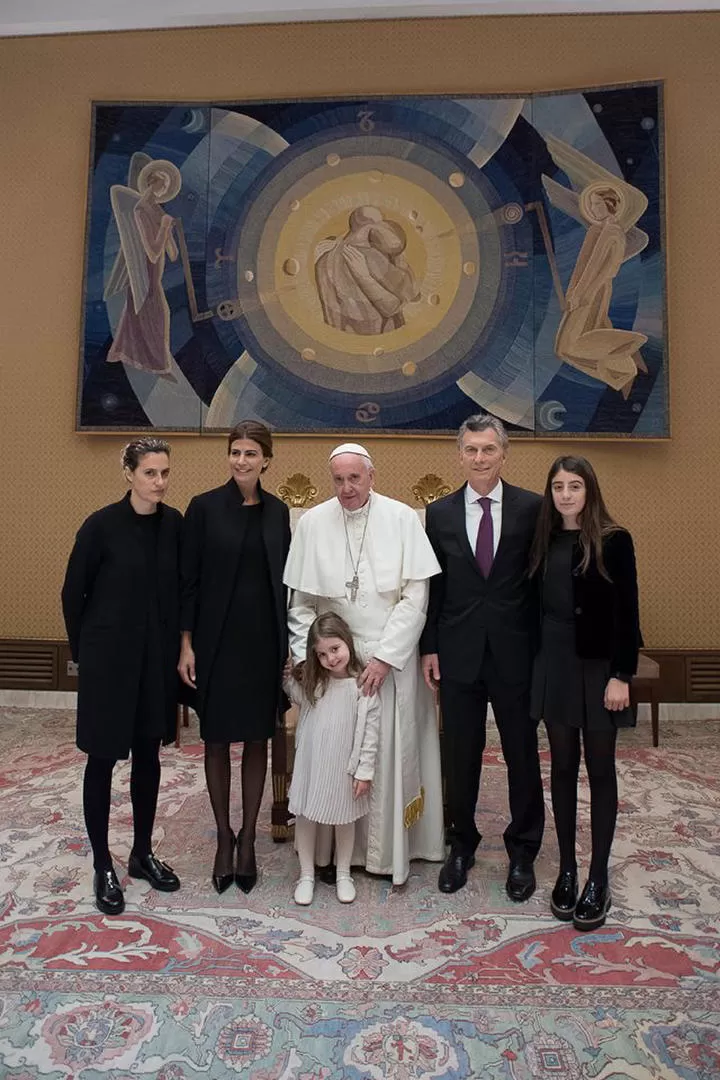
321 787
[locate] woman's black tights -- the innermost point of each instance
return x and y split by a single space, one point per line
217 774
144 787
599 749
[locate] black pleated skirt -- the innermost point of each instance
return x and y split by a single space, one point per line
569 690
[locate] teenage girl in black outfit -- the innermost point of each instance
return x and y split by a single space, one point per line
581 679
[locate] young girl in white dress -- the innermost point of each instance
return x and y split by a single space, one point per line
335 747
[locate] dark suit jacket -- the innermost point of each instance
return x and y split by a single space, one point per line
465 610
212 543
607 622
105 600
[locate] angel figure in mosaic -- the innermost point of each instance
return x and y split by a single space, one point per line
142 335
609 208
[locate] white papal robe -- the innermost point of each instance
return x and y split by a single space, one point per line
386 619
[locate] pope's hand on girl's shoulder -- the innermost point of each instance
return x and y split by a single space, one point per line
361 787
293 671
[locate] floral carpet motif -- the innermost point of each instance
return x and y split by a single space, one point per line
404 984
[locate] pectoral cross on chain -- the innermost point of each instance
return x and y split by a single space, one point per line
353 585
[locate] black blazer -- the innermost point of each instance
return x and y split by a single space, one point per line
212 542
607 620
105 605
465 610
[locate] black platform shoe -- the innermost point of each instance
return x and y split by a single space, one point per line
108 895
222 882
592 907
149 868
245 880
564 896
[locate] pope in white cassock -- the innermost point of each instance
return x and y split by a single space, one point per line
367 558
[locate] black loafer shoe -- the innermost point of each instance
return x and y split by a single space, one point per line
592 907
453 875
108 895
564 896
520 884
159 874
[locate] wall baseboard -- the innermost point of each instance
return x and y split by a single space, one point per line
686 675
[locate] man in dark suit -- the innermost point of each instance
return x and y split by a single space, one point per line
478 646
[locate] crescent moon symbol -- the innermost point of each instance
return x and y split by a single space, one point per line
549 415
196 121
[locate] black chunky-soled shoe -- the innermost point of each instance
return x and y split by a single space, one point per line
222 882
564 896
149 868
108 895
245 880
592 907
520 884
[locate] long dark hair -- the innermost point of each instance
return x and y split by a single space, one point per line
314 676
594 520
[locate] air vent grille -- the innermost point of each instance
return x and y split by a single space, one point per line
26 665
703 677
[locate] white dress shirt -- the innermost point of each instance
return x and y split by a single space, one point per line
473 513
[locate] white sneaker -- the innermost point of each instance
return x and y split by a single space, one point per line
304 891
345 888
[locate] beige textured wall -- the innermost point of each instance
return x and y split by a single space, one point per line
52 477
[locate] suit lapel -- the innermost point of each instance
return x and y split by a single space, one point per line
507 516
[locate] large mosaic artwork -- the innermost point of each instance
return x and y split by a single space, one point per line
405 984
387 265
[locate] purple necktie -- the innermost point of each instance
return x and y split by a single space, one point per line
484 543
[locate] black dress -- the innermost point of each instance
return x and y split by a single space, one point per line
243 693
565 688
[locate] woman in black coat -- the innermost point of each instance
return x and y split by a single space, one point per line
121 606
234 636
581 678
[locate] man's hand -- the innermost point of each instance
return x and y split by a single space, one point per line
373 676
361 787
431 671
186 665
617 695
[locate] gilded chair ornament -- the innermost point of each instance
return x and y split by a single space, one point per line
297 491
429 488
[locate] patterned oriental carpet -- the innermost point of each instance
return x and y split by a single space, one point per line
405 984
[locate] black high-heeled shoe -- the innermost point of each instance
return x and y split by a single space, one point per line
222 882
247 879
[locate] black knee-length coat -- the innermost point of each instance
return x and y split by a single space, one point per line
211 552
105 600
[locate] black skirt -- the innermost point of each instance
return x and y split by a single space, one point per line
568 690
